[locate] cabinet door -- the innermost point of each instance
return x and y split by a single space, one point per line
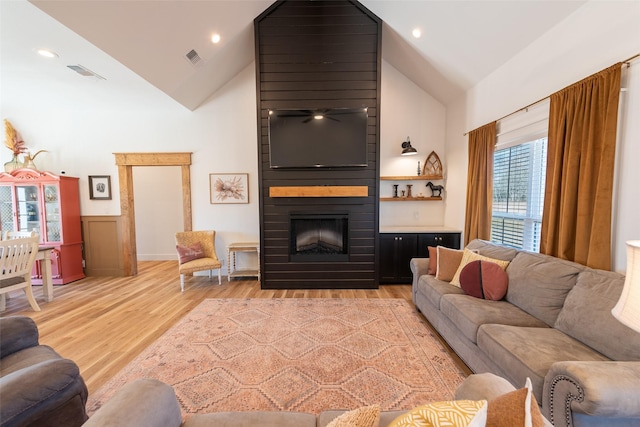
28 208
396 251
6 208
52 223
449 240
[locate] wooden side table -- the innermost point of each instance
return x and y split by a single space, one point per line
232 250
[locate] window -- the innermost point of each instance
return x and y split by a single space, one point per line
519 169
518 194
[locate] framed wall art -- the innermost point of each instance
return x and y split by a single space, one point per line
100 187
229 187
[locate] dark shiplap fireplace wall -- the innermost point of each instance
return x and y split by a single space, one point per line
318 55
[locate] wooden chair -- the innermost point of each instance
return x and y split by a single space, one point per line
16 234
16 262
197 252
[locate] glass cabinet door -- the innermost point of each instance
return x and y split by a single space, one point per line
52 213
6 208
28 208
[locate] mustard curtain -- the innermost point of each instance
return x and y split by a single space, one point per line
482 142
576 222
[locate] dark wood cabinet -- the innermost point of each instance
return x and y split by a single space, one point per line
450 240
397 249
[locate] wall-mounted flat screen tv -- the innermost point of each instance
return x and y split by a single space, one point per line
334 137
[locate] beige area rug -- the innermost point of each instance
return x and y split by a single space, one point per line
296 355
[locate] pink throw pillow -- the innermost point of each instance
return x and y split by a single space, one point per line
433 260
484 279
189 253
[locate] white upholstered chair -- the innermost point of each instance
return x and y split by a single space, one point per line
197 252
17 256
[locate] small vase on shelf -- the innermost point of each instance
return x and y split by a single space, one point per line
13 164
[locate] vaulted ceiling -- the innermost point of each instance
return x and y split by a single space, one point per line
462 42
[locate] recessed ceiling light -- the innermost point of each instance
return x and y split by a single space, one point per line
215 38
46 53
417 33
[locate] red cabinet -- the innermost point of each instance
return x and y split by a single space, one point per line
49 204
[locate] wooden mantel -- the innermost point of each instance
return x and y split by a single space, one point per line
320 191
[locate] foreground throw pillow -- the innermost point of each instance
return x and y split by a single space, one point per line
189 253
367 416
484 279
448 262
452 413
517 408
469 256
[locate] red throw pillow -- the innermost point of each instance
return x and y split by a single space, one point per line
433 260
484 279
189 253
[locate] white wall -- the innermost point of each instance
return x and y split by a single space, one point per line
157 193
407 110
596 36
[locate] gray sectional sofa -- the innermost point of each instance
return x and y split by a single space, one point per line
554 326
149 402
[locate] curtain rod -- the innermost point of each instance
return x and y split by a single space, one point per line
626 61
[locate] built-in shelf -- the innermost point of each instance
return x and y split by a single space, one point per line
411 178
409 199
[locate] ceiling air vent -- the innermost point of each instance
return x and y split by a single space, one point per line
193 57
83 71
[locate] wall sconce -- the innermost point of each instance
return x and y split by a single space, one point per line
627 310
407 149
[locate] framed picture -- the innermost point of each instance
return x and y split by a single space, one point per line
229 187
100 187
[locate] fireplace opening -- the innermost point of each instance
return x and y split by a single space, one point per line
319 237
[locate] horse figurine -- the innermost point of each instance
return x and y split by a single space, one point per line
435 189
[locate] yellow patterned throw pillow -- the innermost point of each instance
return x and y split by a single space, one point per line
367 416
469 256
453 413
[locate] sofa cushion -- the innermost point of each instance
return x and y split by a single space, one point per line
523 352
586 315
539 284
252 418
492 250
484 279
469 313
433 289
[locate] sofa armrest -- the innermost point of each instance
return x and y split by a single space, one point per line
17 333
39 392
419 267
600 389
485 386
143 402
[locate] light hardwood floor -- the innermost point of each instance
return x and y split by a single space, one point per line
102 323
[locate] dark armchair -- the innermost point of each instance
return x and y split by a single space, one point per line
37 386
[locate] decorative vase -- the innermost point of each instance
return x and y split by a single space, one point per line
13 164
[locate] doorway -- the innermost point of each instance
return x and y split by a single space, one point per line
125 163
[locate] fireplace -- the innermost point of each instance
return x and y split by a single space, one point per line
319 237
